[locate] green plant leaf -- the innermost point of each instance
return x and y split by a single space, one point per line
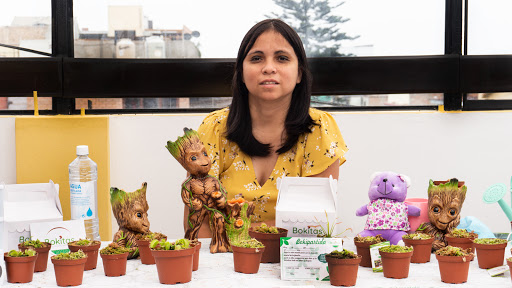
284 241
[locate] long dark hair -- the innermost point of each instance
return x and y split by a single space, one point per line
297 122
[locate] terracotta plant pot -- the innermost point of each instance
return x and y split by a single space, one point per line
145 252
363 249
42 258
509 263
91 252
19 269
422 249
463 243
343 272
114 265
490 255
69 272
396 265
195 260
271 242
174 266
247 260
454 269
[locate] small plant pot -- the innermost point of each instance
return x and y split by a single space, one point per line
91 252
69 272
422 249
463 243
343 272
174 266
416 221
20 269
454 269
490 255
195 261
247 260
145 252
363 249
42 258
396 265
114 265
271 242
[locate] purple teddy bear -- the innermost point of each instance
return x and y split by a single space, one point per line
387 212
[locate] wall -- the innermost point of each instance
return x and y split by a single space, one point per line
472 146
7 151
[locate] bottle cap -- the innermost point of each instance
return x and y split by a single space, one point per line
82 150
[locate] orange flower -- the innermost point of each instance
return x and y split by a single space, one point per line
239 223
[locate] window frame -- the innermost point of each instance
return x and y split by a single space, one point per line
65 78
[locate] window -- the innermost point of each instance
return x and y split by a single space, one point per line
25 24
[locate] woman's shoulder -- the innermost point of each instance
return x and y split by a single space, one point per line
320 117
215 120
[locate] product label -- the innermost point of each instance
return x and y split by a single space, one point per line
375 256
304 258
82 200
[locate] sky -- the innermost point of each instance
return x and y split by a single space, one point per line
389 28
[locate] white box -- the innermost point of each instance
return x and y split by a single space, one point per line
303 202
22 204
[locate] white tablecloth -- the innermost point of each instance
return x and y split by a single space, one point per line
216 270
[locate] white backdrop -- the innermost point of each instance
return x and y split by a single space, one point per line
472 146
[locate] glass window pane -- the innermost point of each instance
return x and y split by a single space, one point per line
489 25
490 96
26 24
418 99
199 29
25 103
153 103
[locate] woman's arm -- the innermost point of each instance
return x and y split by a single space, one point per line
333 169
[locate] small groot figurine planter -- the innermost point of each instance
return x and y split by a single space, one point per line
131 212
201 192
444 204
239 213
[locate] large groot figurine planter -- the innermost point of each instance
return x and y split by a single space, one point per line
445 201
201 193
131 212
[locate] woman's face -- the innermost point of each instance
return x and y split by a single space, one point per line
271 69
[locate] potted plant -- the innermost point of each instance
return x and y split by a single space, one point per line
269 236
343 266
143 241
454 264
490 252
396 261
247 255
41 248
461 238
69 268
90 248
173 260
114 259
20 265
363 248
422 244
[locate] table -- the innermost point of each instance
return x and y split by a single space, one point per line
216 270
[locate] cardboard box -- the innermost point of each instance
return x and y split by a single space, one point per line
23 204
303 202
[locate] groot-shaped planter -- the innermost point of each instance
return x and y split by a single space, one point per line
444 203
239 221
201 192
131 212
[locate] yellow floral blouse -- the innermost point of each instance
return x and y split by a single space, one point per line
313 153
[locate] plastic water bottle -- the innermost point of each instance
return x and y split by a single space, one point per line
83 176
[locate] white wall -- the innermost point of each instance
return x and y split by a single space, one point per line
7 151
474 147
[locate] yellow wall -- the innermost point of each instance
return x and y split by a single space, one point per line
45 146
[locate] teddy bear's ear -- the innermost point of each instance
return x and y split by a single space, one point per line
375 174
406 179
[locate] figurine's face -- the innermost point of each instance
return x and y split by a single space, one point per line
196 161
137 217
443 211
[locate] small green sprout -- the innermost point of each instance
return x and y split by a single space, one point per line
26 253
70 255
396 249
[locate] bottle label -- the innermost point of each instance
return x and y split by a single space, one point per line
82 200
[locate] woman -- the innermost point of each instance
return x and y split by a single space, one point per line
270 131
